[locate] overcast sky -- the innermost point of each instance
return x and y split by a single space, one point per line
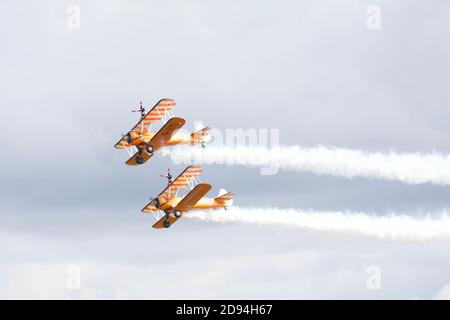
312 69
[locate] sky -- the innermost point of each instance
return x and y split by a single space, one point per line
316 71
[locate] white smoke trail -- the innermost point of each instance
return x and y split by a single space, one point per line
412 168
395 227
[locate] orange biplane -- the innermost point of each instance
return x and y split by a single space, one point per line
171 206
147 141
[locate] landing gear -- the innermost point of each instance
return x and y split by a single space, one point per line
139 160
149 148
177 213
166 223
139 157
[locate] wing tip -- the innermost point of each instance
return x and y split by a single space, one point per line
169 102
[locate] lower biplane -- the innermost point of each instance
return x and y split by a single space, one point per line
146 141
169 205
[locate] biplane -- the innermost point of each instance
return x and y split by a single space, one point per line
146 141
169 205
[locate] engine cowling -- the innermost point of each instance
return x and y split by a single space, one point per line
155 202
130 136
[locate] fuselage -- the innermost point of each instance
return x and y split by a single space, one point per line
202 204
146 136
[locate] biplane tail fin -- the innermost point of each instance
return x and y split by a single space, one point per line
200 135
224 198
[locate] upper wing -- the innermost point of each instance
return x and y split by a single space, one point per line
164 134
155 114
193 197
184 179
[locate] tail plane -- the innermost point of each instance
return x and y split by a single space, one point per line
200 136
224 198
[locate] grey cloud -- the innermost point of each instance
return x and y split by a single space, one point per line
311 69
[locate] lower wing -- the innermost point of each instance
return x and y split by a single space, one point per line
164 222
193 197
159 140
184 205
139 157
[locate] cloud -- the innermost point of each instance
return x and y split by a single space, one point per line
443 294
67 198
269 262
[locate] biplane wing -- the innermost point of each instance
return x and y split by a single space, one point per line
122 143
200 135
164 134
184 205
159 140
193 197
183 180
168 220
157 113
143 154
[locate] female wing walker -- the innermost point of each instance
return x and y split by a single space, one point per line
172 206
147 141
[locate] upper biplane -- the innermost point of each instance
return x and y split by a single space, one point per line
169 205
147 142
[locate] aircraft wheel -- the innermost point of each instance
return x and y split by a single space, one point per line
139 160
177 214
149 148
128 137
166 223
